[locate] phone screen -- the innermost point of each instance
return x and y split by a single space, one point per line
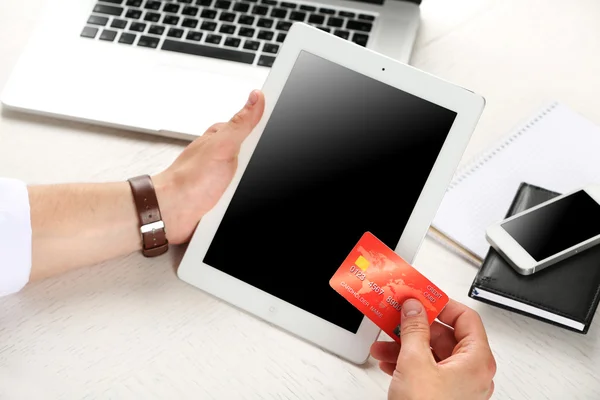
557 226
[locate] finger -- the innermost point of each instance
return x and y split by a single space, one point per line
465 321
442 340
214 128
414 334
246 119
490 391
442 343
385 351
388 368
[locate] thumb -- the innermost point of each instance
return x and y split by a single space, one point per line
414 333
246 119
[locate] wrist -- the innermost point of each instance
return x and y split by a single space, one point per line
165 190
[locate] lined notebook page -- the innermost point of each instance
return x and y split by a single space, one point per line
557 149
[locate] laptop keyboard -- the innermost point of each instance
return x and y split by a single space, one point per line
246 31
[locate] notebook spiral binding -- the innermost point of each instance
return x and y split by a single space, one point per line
479 161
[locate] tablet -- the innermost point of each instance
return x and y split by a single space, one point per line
350 141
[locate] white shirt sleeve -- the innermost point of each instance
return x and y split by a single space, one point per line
15 236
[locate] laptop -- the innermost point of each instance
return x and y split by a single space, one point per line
173 68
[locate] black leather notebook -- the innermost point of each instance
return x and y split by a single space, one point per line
565 294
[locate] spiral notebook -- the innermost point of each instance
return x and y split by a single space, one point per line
557 149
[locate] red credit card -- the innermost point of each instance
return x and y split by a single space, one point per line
377 281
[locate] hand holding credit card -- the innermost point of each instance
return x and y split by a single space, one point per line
377 281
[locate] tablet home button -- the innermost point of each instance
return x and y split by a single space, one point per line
272 309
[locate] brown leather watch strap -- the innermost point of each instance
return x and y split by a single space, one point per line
152 228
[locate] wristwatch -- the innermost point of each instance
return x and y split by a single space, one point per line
152 227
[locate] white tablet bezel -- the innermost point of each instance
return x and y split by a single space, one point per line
301 37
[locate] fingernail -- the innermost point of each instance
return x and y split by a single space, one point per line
253 98
412 307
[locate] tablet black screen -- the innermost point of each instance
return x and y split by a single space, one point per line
342 154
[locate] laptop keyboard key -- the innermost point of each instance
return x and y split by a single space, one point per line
97 20
335 22
316 19
324 29
170 20
308 8
359 26
246 32
194 35
190 22
89 32
360 39
269 2
175 32
297 16
266 61
208 14
366 17
148 41
156 30
228 29
133 13
134 3
137 27
260 10
278 13
264 23
204 3
251 45
118 23
113 1
214 39
270 48
171 8
347 14
151 16
110 10
326 11
223 4
152 5
281 37
227 17
208 51
190 11
232 42
265 35
284 25
208 26
341 33
288 5
246 20
108 35
241 7
127 38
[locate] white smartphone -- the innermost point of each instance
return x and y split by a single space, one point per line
549 232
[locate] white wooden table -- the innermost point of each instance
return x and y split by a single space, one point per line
129 329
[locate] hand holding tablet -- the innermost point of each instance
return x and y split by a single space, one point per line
350 142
